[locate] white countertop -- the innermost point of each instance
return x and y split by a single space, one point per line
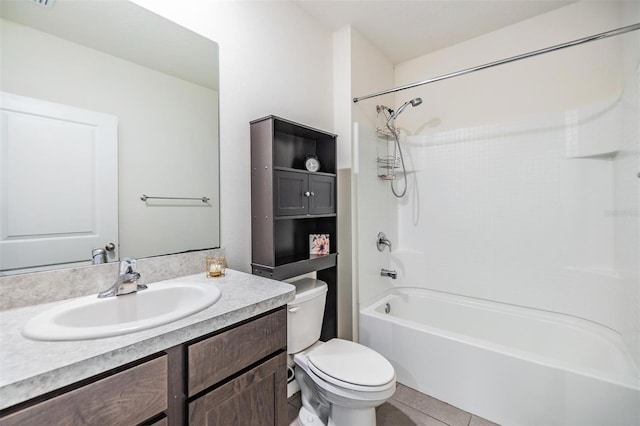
30 368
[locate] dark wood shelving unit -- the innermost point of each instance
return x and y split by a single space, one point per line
288 203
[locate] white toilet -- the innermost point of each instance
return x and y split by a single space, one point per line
341 382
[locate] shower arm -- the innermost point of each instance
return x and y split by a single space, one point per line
577 42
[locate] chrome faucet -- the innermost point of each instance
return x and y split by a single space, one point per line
388 273
383 241
127 281
98 256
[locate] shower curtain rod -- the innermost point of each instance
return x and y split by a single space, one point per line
594 37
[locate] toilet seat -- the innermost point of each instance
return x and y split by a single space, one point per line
351 366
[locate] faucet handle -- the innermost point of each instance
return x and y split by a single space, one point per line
127 265
383 241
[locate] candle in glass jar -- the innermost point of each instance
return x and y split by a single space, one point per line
215 266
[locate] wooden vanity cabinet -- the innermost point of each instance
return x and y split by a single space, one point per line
235 376
218 395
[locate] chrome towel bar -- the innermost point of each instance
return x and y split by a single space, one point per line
146 197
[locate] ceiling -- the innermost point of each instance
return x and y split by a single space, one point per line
406 29
110 26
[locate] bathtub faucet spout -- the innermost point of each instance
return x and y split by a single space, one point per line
388 273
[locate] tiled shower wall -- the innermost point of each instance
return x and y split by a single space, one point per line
518 212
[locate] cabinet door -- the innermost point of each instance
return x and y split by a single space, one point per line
323 194
258 397
290 189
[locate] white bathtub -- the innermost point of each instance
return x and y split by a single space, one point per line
508 364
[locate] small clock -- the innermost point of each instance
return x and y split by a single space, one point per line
311 163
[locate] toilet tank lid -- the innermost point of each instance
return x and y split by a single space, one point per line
308 288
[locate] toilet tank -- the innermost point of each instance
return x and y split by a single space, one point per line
305 313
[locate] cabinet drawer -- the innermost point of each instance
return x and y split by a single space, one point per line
218 357
129 397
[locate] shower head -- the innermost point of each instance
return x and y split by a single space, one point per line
413 102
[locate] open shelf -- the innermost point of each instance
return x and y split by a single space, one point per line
292 236
304 216
291 169
293 142
295 267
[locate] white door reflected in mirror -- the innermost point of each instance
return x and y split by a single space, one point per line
60 182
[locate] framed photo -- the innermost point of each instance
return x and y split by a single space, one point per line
319 244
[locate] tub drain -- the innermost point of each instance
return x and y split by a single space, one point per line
387 308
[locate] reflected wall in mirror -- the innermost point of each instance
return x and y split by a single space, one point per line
156 83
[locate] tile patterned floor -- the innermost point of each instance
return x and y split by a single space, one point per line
408 407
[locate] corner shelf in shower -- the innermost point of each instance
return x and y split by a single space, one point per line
289 203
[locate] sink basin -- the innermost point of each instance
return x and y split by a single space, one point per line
91 318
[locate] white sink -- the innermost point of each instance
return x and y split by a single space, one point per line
91 318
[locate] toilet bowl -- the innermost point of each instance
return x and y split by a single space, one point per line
346 381
341 382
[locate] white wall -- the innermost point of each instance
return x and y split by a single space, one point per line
512 175
553 82
274 59
342 124
358 67
370 72
166 145
626 201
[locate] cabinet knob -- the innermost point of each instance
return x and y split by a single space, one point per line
308 194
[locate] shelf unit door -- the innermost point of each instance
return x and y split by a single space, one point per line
323 198
289 193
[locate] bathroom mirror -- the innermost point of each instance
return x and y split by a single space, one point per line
153 85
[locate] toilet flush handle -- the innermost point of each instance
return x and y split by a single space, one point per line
294 309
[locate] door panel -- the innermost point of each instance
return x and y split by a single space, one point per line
323 200
289 193
39 140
